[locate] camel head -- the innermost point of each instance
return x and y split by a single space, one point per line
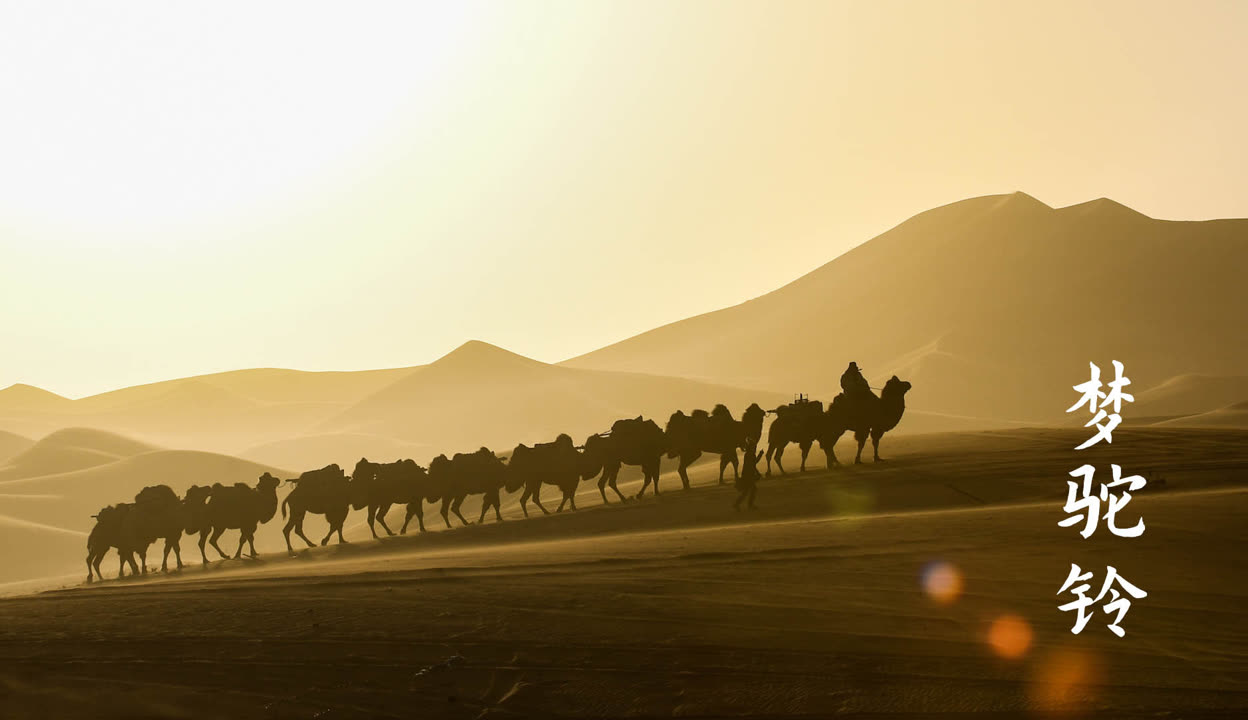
268 483
895 388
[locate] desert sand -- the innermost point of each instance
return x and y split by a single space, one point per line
677 606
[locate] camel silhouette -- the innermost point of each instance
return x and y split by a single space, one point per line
158 514
479 473
402 482
747 482
798 422
377 486
632 441
112 530
558 463
867 415
233 507
325 492
688 436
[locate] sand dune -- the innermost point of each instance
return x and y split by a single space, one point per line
221 412
812 606
315 451
11 444
26 547
970 299
481 394
1231 416
1190 394
70 449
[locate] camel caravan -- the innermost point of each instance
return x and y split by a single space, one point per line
157 512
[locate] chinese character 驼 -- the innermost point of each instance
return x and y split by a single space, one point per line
1083 504
1097 401
1118 601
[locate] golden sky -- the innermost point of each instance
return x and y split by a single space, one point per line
186 189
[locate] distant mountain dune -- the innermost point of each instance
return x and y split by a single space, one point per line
992 307
70 449
480 394
11 444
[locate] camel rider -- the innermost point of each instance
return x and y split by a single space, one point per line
853 383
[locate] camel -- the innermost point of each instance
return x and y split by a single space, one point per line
747 482
688 436
558 463
633 441
867 415
233 507
327 492
112 530
398 483
798 422
479 473
158 514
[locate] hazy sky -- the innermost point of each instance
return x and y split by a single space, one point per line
187 188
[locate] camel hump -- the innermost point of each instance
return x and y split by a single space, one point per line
721 410
156 494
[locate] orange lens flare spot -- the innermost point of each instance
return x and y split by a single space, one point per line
1010 636
942 582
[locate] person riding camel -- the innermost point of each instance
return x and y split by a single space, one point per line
853 383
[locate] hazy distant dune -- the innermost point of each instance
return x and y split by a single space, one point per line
997 304
1231 416
70 449
11 444
31 549
1189 394
315 451
481 394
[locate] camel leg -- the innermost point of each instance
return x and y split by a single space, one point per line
524 500
653 471
382 512
342 540
645 483
805 451
177 551
498 504
251 541
216 535
242 540
875 445
572 498
143 560
617 492
203 538
861 437
455 509
164 560
602 488
446 504
299 528
414 508
121 565
537 499
562 502
372 517
725 460
779 453
683 471
90 555
290 525
134 570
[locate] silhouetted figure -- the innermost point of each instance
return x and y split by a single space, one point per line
327 492
112 530
688 436
632 441
238 507
480 473
869 416
747 482
381 485
852 381
558 463
798 422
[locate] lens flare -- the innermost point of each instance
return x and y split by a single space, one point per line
942 582
1065 681
1010 636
